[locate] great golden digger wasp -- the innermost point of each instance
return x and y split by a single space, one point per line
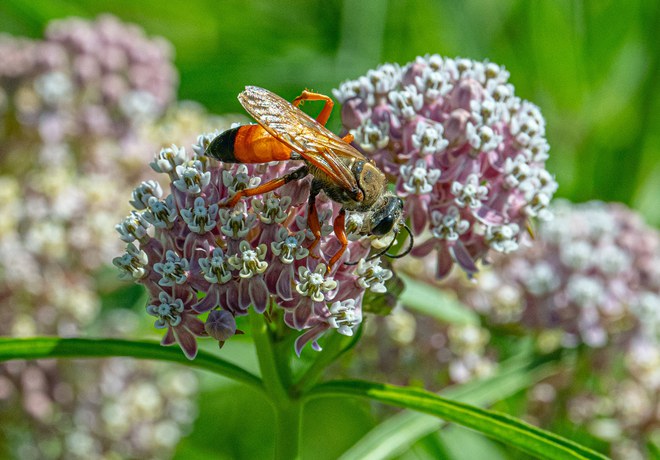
345 175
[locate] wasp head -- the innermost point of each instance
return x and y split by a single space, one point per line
385 215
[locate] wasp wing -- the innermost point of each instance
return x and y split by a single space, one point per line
300 132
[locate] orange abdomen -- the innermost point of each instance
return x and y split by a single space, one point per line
247 144
253 144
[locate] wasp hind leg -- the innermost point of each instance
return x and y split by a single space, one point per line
312 215
339 226
268 186
322 118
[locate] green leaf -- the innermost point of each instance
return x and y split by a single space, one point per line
501 427
394 435
54 347
428 299
465 444
654 450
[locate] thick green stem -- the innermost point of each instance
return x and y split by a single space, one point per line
288 418
276 377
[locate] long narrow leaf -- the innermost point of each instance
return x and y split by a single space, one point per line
435 302
499 426
54 347
395 434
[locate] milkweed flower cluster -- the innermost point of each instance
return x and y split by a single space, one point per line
591 276
195 256
623 409
61 185
408 348
59 179
88 78
61 194
112 408
618 403
467 154
592 273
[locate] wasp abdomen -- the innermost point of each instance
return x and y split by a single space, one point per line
248 144
222 146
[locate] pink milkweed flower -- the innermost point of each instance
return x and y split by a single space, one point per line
195 256
467 155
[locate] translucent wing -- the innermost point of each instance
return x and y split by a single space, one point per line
304 135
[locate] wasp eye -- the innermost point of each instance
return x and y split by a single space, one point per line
384 226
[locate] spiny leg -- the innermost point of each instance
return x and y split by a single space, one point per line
312 215
340 232
268 186
327 106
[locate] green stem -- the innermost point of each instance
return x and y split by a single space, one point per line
276 377
333 348
289 427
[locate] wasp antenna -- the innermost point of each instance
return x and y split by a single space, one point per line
372 257
384 251
408 249
378 254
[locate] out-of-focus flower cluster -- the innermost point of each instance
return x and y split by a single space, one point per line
70 142
591 276
196 256
624 409
407 348
86 79
592 273
612 393
467 154
61 194
112 408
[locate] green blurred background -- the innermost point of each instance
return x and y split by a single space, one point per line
592 66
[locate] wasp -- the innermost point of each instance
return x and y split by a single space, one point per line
284 132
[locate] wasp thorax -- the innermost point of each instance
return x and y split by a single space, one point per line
371 180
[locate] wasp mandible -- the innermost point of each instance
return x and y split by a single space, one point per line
345 175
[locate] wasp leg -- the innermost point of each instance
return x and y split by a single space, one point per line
340 232
348 138
313 216
268 186
327 106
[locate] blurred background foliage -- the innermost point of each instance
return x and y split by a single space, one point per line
591 66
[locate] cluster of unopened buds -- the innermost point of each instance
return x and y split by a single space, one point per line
467 154
196 255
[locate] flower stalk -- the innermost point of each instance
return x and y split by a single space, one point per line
275 370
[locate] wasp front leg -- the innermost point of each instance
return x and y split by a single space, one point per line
268 186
